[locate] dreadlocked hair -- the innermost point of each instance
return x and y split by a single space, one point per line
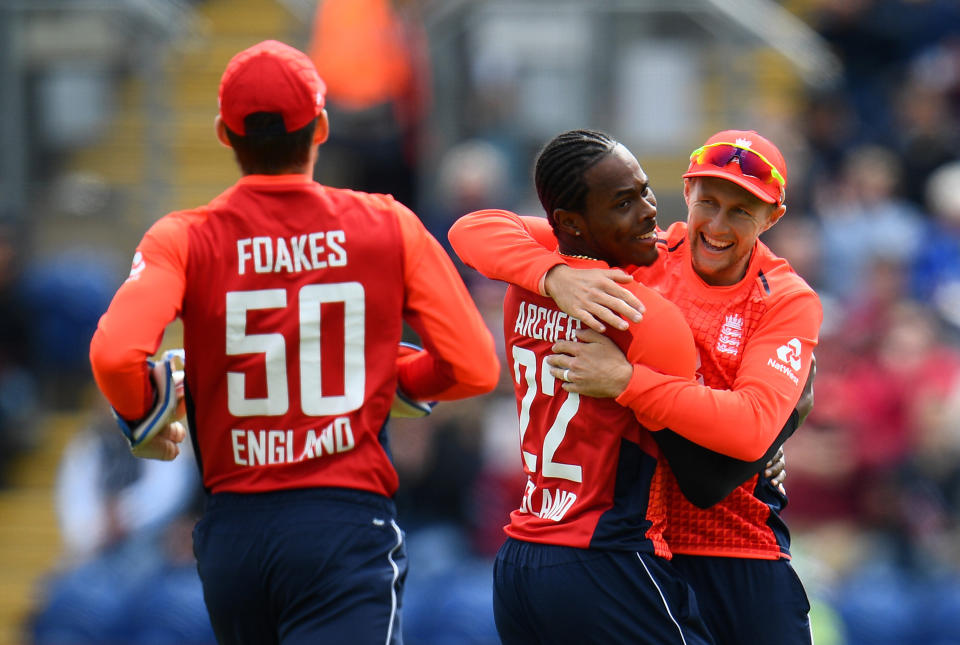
561 166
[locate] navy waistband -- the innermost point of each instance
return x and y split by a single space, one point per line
299 496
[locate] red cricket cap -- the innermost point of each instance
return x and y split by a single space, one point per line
271 77
769 191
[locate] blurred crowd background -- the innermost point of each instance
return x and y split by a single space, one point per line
107 123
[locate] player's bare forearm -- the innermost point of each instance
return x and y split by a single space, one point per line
805 404
594 296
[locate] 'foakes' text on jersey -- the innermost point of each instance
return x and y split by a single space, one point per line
589 463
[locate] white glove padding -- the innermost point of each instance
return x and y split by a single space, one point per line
403 407
168 383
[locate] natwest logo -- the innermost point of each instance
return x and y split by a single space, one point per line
790 353
137 266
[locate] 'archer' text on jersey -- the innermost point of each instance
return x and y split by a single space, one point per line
551 325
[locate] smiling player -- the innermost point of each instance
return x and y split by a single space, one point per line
755 322
584 561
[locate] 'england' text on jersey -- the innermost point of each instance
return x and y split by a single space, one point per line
261 447
554 503
294 254
551 325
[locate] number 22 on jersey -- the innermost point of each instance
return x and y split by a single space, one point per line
526 360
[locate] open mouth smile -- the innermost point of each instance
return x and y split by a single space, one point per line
714 244
650 235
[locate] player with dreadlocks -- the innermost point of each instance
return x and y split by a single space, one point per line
755 322
584 560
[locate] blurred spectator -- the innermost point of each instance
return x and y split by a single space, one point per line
65 295
105 496
18 404
830 129
797 240
935 274
449 585
925 136
125 524
436 461
864 218
823 484
372 54
923 371
867 36
471 175
143 591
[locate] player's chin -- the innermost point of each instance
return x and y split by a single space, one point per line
643 254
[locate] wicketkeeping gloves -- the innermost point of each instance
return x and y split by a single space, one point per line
403 406
168 382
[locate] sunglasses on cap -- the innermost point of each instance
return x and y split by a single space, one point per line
752 163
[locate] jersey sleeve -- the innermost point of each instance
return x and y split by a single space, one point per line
505 246
662 340
742 422
706 477
132 327
460 358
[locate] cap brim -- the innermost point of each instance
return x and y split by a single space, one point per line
740 180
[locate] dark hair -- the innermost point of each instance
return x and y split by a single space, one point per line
267 148
562 164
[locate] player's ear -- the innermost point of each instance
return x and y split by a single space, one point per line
775 216
221 129
570 222
686 191
322 130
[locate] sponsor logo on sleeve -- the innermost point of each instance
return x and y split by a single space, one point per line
137 266
789 360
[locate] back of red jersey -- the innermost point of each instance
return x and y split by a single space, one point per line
590 465
290 343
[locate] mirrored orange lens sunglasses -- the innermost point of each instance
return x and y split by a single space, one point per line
751 162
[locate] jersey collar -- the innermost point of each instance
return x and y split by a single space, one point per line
273 180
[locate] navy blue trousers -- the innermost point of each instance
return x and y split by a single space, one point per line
302 566
553 595
760 602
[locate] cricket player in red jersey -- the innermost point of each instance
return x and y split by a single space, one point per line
584 561
755 323
292 296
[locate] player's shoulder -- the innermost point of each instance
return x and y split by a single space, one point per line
372 202
176 223
777 278
675 237
658 309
